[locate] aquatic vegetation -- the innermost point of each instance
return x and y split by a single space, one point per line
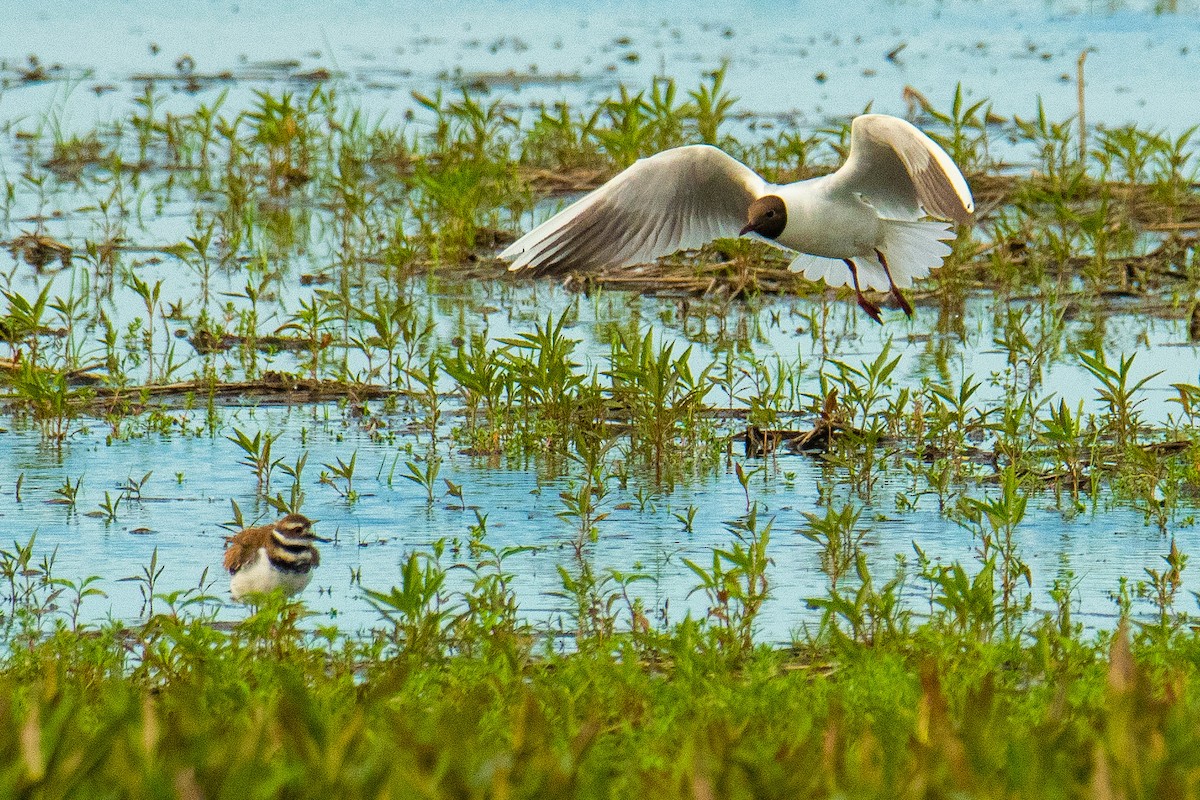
880 700
293 278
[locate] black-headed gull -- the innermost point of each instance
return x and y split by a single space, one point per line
860 226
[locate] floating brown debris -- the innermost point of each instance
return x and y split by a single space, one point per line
492 238
35 73
827 424
209 342
689 274
559 181
761 442
1169 447
486 81
70 159
87 376
276 387
736 277
192 82
1088 462
38 250
312 76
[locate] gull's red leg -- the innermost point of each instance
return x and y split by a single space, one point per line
863 303
900 298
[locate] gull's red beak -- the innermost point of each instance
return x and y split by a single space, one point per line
747 229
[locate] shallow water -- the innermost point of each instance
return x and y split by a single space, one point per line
1012 53
374 535
828 60
194 477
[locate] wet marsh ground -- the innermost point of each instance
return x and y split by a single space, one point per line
241 290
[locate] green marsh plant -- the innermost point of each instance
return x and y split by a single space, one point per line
1119 393
418 609
51 399
736 583
994 522
295 499
1163 587
659 392
965 135
68 493
23 324
342 471
257 455
486 386
424 476
840 538
863 392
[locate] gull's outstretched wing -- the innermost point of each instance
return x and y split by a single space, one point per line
678 199
902 172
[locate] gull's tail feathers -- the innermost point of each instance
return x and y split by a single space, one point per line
912 249
815 268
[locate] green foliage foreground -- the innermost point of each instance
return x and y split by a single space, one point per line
184 708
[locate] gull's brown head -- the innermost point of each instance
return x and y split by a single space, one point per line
767 217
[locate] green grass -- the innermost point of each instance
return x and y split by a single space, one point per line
937 680
470 705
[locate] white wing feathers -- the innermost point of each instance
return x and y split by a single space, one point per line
678 199
902 172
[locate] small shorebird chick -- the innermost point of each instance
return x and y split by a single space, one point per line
268 557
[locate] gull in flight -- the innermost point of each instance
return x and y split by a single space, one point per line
860 226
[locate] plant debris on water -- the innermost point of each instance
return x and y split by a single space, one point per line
695 528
